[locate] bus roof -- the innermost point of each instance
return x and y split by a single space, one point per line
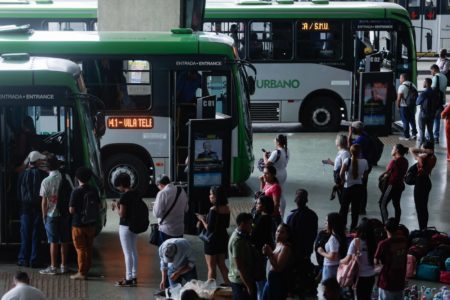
274 10
51 10
92 42
14 63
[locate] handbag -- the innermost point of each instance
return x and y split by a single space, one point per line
205 236
411 175
383 180
347 274
154 227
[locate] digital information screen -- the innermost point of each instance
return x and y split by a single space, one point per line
315 26
124 122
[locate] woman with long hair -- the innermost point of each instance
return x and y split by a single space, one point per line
395 171
426 160
353 173
216 223
335 248
270 186
262 234
342 154
279 158
279 260
364 246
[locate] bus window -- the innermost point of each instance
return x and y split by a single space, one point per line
65 26
404 51
236 30
319 40
120 84
217 86
430 10
414 9
271 40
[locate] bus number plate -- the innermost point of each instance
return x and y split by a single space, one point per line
130 122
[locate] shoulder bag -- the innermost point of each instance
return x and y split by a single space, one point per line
383 180
347 274
154 228
411 175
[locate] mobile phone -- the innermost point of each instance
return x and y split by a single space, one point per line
263 150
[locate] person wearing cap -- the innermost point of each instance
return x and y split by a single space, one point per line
29 185
173 223
177 262
363 140
304 223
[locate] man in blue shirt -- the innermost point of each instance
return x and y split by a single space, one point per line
177 262
427 111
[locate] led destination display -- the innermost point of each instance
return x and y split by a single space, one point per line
119 122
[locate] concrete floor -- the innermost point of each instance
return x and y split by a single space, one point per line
305 170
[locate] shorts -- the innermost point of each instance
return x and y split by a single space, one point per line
58 230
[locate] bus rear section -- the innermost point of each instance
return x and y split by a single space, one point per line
40 111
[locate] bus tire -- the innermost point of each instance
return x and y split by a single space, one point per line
125 163
322 114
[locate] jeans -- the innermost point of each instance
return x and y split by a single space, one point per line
128 243
389 295
421 192
437 126
364 287
329 272
188 276
408 118
83 240
427 124
391 193
240 292
30 224
351 195
260 289
276 287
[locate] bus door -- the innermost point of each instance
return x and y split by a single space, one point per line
192 85
425 15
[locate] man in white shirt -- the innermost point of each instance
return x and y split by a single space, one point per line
407 112
439 81
442 62
22 289
172 225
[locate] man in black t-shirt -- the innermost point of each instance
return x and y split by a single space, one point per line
82 233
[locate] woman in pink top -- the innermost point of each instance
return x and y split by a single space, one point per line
271 188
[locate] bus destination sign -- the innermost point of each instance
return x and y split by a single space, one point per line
124 122
314 26
373 25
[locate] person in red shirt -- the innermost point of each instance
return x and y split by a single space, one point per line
391 254
446 116
426 160
395 170
271 188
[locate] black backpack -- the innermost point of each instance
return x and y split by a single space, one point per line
91 207
138 221
430 105
412 95
64 192
376 148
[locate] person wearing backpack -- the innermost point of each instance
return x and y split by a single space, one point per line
55 192
29 184
84 206
426 160
428 101
128 239
406 103
439 84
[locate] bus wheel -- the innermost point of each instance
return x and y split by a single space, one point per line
129 164
322 114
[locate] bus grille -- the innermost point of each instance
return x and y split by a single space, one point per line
264 112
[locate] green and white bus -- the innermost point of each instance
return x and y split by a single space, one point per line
49 15
51 93
308 54
149 83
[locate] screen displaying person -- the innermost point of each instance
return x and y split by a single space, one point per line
207 153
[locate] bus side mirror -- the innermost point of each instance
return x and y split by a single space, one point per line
99 124
251 85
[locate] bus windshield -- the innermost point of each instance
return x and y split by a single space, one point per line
92 142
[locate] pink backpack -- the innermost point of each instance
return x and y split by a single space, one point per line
411 266
347 274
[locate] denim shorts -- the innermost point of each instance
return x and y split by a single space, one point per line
58 230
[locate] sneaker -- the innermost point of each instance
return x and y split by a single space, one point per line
62 270
125 283
49 271
402 138
78 276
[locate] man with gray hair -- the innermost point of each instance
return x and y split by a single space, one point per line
22 289
170 206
